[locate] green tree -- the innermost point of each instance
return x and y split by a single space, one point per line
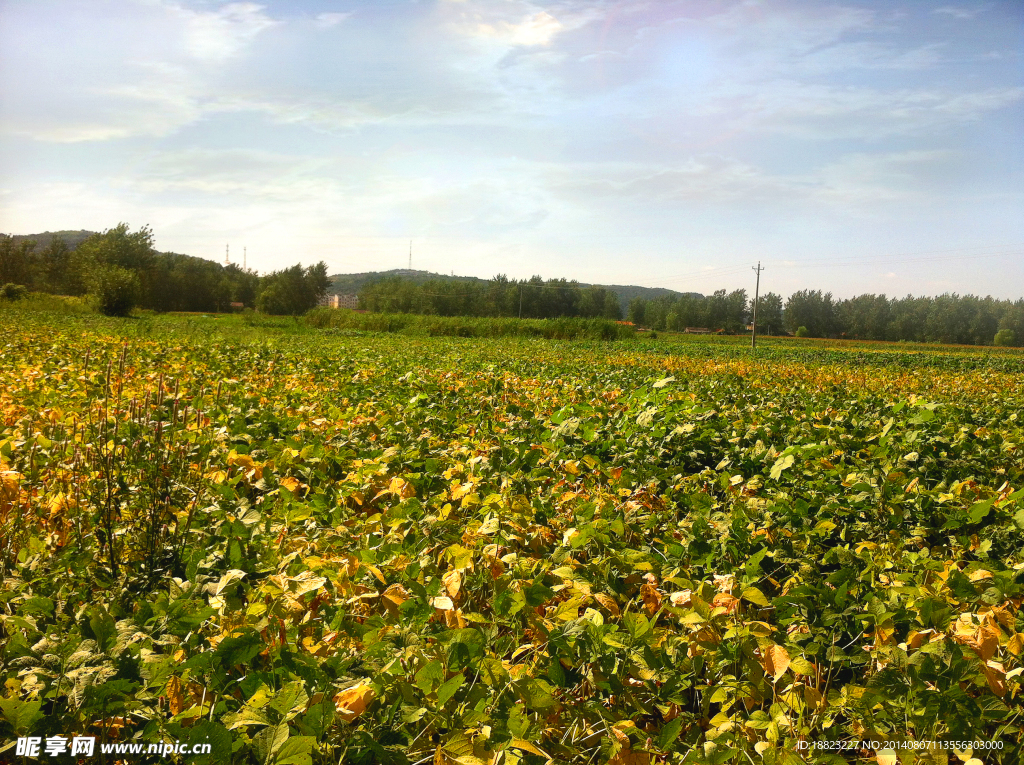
18 262
811 309
115 289
106 260
293 291
769 314
637 311
1005 337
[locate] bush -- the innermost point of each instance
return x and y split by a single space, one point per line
13 291
1005 337
116 290
469 326
802 332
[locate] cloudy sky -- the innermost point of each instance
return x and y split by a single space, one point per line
848 146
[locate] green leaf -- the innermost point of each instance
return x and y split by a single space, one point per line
103 628
448 689
637 625
268 741
979 510
206 732
20 715
669 733
518 722
429 676
290 700
234 651
297 750
537 694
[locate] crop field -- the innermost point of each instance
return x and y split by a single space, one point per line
312 545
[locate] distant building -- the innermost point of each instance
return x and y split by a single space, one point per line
340 301
696 331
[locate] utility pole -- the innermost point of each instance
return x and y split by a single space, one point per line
753 321
227 259
245 261
410 254
520 300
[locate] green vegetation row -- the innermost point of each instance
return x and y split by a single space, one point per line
959 319
500 297
467 326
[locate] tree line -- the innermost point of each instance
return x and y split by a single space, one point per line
121 270
949 318
535 298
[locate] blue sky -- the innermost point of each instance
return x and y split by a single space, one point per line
849 146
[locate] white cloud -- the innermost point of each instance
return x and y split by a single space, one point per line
959 13
142 69
328 20
829 111
221 34
517 23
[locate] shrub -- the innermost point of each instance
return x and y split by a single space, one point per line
802 332
469 326
1005 337
13 291
115 289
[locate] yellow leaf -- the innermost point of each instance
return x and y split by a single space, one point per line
526 746
651 598
353 702
290 483
681 599
454 619
175 697
393 597
776 661
458 492
442 603
376 572
452 583
996 677
608 603
396 593
401 488
234 458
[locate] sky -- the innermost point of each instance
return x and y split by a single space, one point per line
850 146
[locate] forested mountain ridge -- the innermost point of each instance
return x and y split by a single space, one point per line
353 284
71 238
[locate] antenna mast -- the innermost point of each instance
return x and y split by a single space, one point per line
245 263
410 254
227 249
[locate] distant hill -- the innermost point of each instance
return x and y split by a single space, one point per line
350 284
71 238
